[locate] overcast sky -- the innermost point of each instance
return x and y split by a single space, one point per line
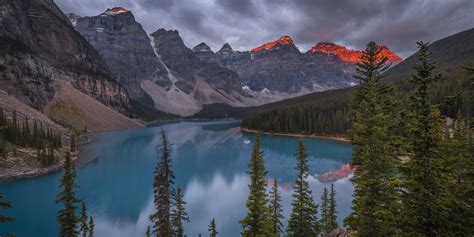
246 24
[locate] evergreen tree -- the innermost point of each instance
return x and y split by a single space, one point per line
67 217
148 232
426 197
212 228
256 222
5 204
91 226
276 210
374 117
303 221
178 214
163 190
73 142
84 226
324 212
332 213
5 219
461 171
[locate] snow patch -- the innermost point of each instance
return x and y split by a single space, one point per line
247 88
352 83
100 30
265 91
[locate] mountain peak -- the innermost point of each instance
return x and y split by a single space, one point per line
226 48
202 47
114 11
284 40
350 55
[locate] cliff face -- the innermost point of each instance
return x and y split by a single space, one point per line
40 46
188 67
125 48
280 67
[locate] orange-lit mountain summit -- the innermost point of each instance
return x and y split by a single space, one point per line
350 55
284 40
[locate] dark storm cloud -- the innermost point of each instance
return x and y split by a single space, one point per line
249 23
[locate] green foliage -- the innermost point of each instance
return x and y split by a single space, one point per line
303 221
212 228
460 166
73 143
179 214
276 210
148 232
163 190
4 204
45 140
257 222
328 210
84 226
374 117
426 198
324 212
91 226
68 220
332 213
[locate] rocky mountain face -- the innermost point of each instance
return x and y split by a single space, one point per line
349 55
125 48
280 67
39 46
190 82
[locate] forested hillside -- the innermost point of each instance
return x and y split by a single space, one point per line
327 113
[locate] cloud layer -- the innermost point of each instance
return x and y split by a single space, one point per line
248 23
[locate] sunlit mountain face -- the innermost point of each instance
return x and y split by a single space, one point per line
284 40
350 55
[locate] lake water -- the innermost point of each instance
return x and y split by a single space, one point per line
210 162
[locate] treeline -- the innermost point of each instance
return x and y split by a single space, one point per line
330 114
20 134
327 115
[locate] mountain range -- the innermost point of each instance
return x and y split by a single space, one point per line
96 70
162 73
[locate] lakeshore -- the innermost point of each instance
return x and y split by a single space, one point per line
334 138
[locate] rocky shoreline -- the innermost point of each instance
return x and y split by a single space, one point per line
334 138
15 174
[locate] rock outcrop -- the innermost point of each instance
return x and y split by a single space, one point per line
125 48
39 46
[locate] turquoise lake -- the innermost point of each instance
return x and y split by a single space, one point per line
210 163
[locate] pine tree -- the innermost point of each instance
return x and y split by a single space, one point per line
276 210
178 214
374 117
73 142
91 226
303 221
332 213
461 174
324 212
212 228
148 232
256 222
426 197
5 204
84 227
163 190
67 217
